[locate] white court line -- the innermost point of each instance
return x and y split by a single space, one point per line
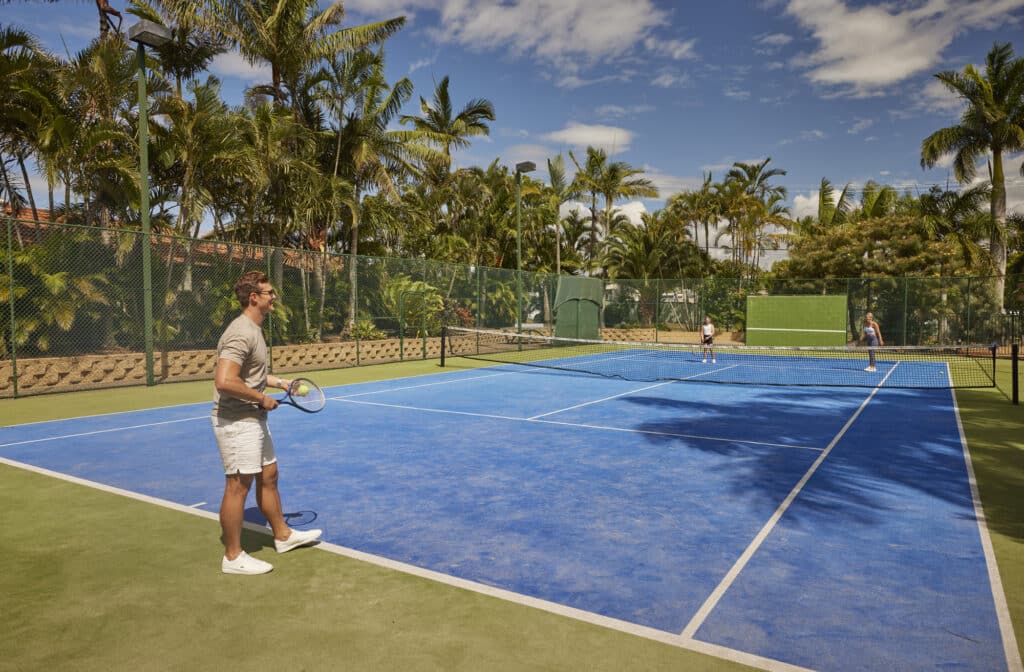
623 394
730 577
416 387
683 436
645 632
598 401
102 431
103 415
428 410
572 424
1010 649
196 505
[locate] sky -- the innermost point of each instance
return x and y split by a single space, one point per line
836 89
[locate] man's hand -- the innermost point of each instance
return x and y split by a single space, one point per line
269 403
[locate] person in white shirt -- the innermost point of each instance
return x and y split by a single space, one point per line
707 339
239 417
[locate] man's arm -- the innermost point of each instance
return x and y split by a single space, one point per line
227 378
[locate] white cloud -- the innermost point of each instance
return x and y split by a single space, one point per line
864 49
567 208
775 40
727 164
860 125
669 80
632 210
539 154
677 50
572 81
885 173
735 93
552 30
805 136
422 63
611 138
232 64
936 96
619 111
774 65
671 184
805 206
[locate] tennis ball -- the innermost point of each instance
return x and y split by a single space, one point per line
303 390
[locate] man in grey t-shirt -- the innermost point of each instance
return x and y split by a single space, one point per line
240 425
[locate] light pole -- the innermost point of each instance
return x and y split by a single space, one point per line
524 167
146 33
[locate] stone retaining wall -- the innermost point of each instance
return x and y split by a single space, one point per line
64 374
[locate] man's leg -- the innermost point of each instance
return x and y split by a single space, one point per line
232 512
269 500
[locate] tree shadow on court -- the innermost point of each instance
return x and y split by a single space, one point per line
293 518
902 452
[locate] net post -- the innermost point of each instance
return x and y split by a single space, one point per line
444 342
1015 384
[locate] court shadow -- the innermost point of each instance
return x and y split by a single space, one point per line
294 518
903 452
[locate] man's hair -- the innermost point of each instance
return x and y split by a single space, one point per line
247 284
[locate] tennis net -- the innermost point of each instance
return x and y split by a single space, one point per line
941 367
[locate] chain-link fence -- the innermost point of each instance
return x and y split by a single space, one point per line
72 310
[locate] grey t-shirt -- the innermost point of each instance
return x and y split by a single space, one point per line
242 343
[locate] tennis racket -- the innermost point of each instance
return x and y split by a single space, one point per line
305 395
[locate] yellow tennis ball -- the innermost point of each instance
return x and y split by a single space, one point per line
303 390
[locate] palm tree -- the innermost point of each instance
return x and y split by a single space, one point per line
613 181
191 48
372 155
23 77
638 252
957 216
992 122
832 211
877 200
450 130
290 35
700 207
559 191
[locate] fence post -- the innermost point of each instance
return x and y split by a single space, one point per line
906 286
657 307
10 301
354 260
1015 384
970 336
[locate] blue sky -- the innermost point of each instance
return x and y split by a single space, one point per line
826 88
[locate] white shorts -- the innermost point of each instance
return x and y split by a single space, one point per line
245 447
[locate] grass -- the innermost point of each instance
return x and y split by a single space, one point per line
94 581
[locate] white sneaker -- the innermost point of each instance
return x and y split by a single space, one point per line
871 368
713 361
244 564
703 361
297 538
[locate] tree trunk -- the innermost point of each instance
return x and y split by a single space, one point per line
997 241
352 265
32 199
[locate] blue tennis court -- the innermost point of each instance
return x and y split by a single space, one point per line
786 527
